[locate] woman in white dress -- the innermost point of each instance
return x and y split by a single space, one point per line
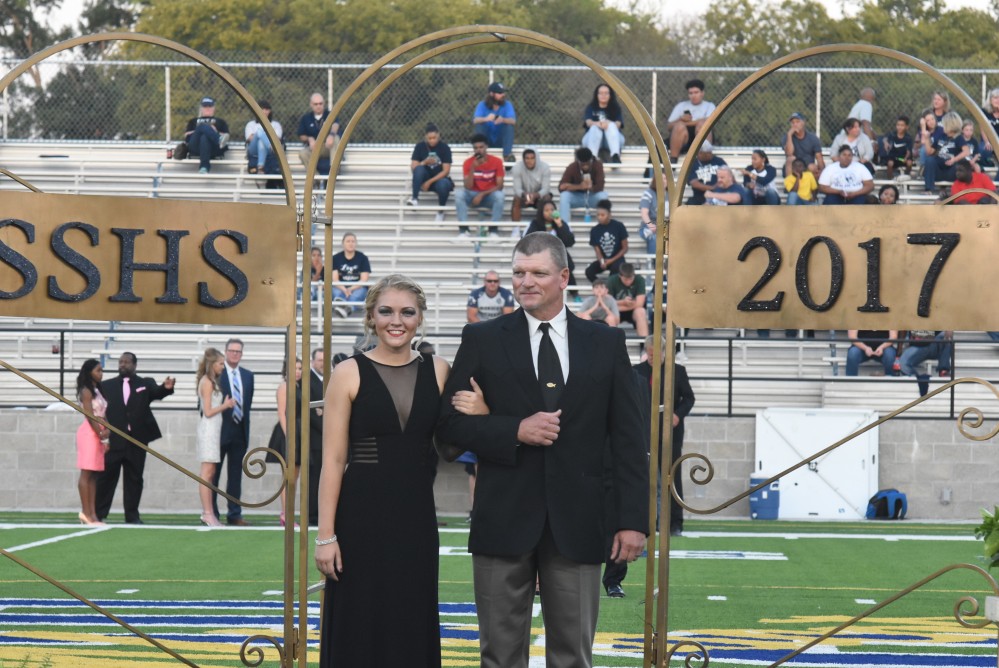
211 404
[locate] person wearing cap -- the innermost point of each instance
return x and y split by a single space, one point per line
482 175
687 118
207 135
308 131
494 117
609 240
704 175
804 145
258 146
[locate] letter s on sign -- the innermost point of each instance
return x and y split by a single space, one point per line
223 266
20 263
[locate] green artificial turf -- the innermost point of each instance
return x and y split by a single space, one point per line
818 575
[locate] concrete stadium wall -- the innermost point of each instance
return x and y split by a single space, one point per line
920 457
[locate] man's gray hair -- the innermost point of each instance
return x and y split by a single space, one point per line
539 242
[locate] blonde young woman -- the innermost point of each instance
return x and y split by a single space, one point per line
211 405
944 152
376 503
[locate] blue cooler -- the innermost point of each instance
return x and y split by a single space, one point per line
765 502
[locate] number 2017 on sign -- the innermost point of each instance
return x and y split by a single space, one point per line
946 241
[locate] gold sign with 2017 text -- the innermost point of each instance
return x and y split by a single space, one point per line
115 258
843 267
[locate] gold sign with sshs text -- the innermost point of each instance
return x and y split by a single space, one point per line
146 260
834 267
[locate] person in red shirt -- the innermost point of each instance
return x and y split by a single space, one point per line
483 175
966 177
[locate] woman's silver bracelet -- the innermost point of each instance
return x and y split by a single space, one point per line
327 541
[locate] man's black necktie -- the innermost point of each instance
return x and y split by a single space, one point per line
549 369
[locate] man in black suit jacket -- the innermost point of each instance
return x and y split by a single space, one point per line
133 416
539 499
315 433
235 382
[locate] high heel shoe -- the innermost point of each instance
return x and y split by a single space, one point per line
86 520
209 520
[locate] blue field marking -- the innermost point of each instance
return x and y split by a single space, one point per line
851 659
134 603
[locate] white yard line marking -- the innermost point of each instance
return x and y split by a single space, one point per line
127 591
56 539
717 598
536 611
865 601
272 592
827 536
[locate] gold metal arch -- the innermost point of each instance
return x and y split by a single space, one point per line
253 466
491 34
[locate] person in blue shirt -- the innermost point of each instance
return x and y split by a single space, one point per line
308 131
726 191
494 117
431 167
609 239
942 153
603 122
758 180
704 175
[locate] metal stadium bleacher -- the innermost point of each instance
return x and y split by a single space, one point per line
733 373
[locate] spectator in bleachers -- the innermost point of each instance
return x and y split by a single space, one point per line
991 111
532 183
628 289
647 209
851 135
921 345
845 181
317 270
974 149
494 117
600 306
603 122
895 150
582 184
258 146
803 145
759 180
548 219
966 177
687 118
801 186
726 191
863 111
704 174
871 344
483 178
207 135
888 194
489 301
609 239
943 153
939 105
431 167
92 438
351 270
308 132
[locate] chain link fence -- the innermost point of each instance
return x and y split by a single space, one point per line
153 100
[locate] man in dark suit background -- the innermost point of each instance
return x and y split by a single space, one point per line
315 433
560 391
129 398
237 383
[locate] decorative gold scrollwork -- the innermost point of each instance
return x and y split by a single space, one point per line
698 655
256 468
257 653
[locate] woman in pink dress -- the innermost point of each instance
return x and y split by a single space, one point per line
91 438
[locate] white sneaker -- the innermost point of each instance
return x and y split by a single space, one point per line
902 178
494 235
439 218
462 236
412 202
341 311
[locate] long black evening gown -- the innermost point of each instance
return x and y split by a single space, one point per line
383 611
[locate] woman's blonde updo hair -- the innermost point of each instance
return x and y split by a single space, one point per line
393 282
